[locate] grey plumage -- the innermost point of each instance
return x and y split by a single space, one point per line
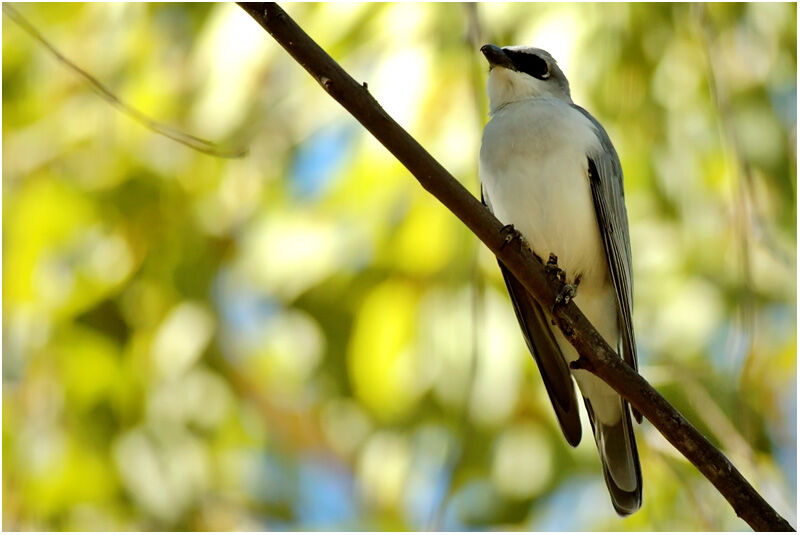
605 178
548 167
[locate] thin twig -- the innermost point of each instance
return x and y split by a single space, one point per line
595 354
195 143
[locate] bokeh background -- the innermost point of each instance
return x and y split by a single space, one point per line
303 338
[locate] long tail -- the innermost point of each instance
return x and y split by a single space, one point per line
616 445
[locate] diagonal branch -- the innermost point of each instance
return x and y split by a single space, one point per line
193 142
595 354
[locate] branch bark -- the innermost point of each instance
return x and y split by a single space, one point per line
595 354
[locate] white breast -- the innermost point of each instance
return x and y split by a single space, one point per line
534 169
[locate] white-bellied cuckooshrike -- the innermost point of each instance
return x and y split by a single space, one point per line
548 168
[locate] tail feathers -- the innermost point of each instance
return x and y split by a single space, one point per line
546 352
617 447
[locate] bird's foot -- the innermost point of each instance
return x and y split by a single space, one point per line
510 234
568 291
552 269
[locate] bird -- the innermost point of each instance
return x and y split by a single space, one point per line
548 168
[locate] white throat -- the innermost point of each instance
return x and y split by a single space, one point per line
506 86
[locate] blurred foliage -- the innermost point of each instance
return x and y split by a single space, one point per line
305 339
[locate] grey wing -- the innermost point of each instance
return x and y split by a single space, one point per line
545 350
605 177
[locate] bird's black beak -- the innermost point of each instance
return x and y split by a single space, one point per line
496 57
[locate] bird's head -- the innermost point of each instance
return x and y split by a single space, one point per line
520 72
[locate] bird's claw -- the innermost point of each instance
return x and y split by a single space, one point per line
568 291
510 234
552 269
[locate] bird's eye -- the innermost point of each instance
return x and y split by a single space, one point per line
529 64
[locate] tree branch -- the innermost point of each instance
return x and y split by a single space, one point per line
595 354
193 142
